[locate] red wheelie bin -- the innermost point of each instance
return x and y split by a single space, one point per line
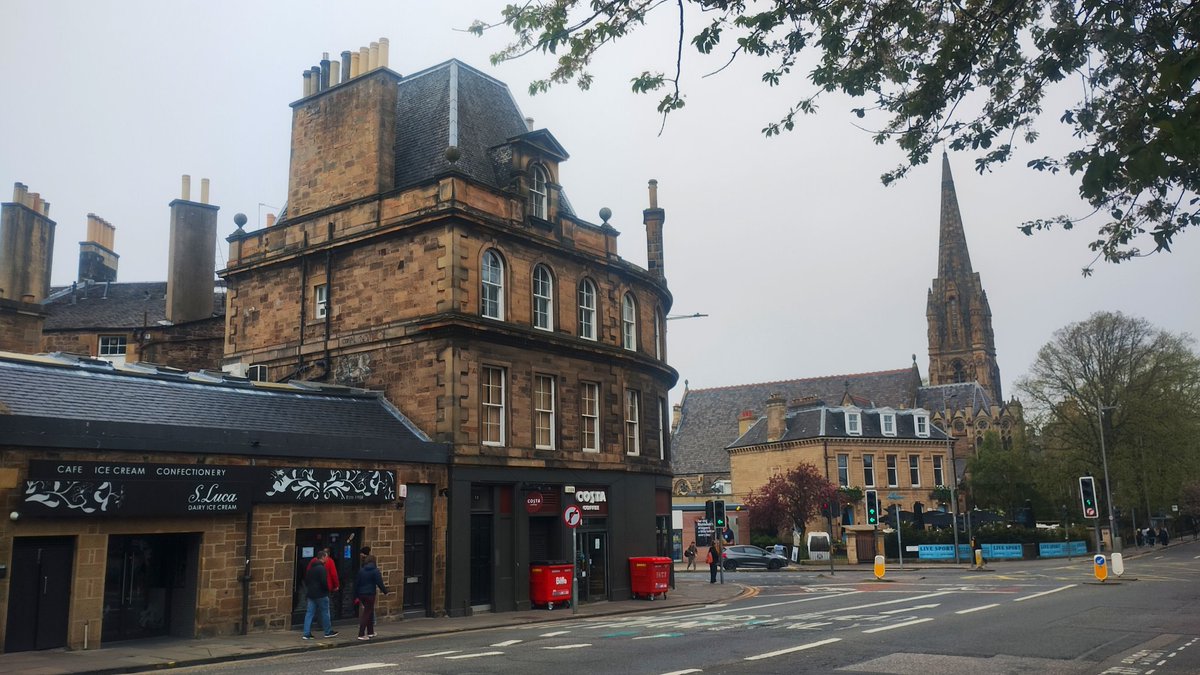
550 583
650 576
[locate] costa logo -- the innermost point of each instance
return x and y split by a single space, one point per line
591 497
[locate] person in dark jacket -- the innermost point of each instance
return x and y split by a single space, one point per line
316 587
368 580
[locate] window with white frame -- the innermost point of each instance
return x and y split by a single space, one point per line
543 411
587 310
921 422
887 423
112 345
843 470
938 478
893 473
628 322
538 195
589 412
491 298
853 423
257 373
869 471
543 298
659 347
632 416
914 470
491 394
320 300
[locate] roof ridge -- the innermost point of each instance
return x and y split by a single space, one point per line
805 379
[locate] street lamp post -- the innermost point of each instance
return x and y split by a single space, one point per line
1112 526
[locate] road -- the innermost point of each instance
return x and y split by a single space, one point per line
1023 617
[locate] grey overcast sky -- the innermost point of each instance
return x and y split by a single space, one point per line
804 263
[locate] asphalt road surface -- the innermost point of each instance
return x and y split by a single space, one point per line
1023 617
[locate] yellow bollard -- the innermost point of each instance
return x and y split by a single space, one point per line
979 558
1100 566
880 567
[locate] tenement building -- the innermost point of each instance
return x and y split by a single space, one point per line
962 395
428 250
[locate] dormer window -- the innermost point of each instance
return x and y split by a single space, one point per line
538 195
853 423
887 423
922 425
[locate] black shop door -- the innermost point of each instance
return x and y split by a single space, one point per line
481 561
39 593
343 548
416 570
146 586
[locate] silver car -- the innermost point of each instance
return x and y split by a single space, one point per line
752 556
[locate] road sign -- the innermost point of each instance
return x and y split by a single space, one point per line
1100 566
572 516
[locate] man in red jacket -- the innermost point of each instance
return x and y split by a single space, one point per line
330 570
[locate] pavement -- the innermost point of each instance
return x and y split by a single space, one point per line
691 589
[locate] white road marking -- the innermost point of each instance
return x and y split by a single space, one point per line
660 635
887 602
429 656
508 643
362 666
1038 595
897 625
475 656
555 633
788 602
977 609
684 672
909 609
789 650
810 625
574 646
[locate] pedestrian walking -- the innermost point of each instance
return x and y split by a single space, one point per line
1139 538
714 559
1150 536
690 554
368 580
316 587
1163 537
330 569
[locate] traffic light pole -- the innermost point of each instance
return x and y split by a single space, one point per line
1112 525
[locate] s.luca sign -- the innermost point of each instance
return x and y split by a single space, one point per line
68 488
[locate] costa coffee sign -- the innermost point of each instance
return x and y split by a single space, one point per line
533 502
592 501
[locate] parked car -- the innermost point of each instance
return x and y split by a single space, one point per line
752 556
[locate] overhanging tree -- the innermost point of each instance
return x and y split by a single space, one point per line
971 74
789 500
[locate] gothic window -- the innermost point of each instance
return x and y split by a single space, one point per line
543 298
960 373
538 202
491 299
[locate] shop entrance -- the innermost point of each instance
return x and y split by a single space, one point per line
343 555
592 565
149 586
416 569
481 561
39 593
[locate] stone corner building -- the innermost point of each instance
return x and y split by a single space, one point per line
428 250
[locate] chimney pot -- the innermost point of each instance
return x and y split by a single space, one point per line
187 188
355 64
307 84
373 56
346 66
653 193
203 190
383 52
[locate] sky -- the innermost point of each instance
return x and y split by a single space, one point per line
803 262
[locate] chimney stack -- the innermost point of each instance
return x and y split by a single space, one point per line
26 246
654 218
97 260
776 418
191 261
745 421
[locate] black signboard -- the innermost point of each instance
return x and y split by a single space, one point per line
69 488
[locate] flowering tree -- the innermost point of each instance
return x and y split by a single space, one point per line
789 500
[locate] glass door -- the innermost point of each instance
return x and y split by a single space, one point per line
141 575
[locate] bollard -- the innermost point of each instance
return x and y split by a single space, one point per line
1118 564
1100 566
880 567
979 558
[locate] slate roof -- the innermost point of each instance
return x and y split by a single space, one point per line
64 402
709 417
806 423
954 397
113 305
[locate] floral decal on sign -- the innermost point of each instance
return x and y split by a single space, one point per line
332 484
80 495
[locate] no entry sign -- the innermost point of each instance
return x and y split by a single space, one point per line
572 516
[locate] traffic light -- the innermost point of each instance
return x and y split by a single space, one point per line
709 511
719 514
872 508
1087 495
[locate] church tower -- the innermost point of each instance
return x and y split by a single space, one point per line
962 347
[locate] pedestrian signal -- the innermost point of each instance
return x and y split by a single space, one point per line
872 507
1087 496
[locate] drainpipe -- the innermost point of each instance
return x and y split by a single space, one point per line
328 296
246 572
303 305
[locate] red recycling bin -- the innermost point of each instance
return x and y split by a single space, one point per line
550 583
650 576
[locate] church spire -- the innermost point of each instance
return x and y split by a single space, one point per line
962 347
954 261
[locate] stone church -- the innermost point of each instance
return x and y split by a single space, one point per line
962 396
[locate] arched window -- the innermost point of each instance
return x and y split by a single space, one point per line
587 310
628 322
538 197
491 299
960 374
543 298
